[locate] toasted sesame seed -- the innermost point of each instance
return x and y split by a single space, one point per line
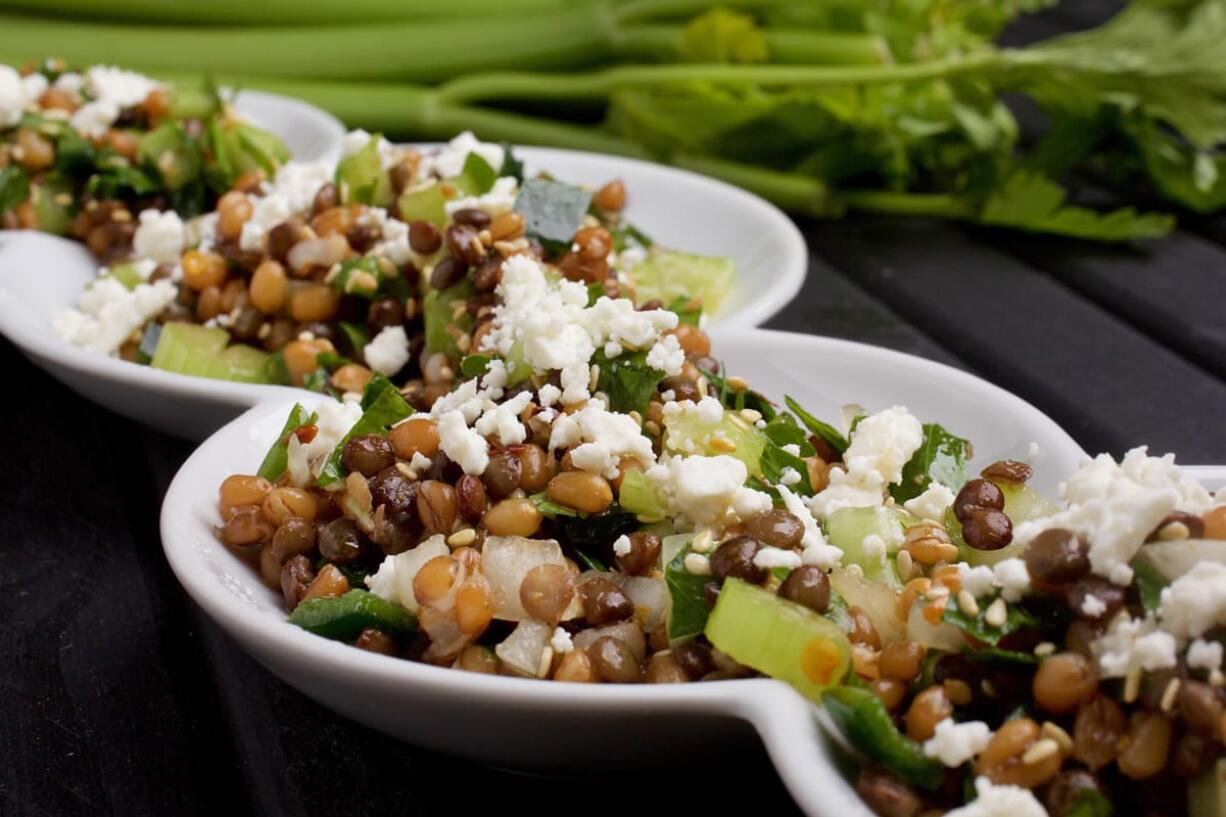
1174 531
651 427
1217 678
737 383
62 199
1045 649
703 541
697 564
723 444
638 418
997 614
854 570
546 661
1041 750
1170 694
751 415
905 564
1062 738
462 538
120 215
405 471
1132 685
485 237
463 342
967 603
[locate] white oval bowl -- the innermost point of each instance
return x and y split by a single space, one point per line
552 726
42 274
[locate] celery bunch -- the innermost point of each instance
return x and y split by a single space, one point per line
823 107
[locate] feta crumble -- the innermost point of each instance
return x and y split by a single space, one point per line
388 352
1195 602
880 446
769 558
108 313
1206 655
463 445
1133 643
955 743
561 641
1000 801
502 422
1013 578
931 504
17 92
621 545
598 439
159 236
449 160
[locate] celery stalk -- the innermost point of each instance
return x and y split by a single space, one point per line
780 638
638 496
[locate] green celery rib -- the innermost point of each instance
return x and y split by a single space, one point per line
659 42
638 10
412 51
280 12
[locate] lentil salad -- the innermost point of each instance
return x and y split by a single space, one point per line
385 263
596 500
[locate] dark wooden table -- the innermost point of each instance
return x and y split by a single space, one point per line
118 697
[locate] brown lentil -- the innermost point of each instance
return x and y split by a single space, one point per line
296 576
1148 747
1056 557
662 669
1064 682
808 585
340 541
546 591
581 490
604 601
1098 731
368 454
517 516
613 661
415 436
886 795
470 497
977 493
901 660
986 528
930 707
373 640
436 506
644 554
776 527
735 558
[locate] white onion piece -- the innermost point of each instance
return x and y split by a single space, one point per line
627 631
1174 559
394 579
318 252
943 636
523 649
650 598
505 560
878 600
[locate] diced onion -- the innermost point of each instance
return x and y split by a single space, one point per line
522 649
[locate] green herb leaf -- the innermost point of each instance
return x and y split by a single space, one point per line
822 430
172 154
1028 201
595 533
345 617
549 508
478 175
743 399
552 211
277 458
511 165
361 179
687 310
356 334
940 458
627 380
1090 803
780 432
688 609
862 718
474 366
382 407
14 187
1150 583
1016 619
445 321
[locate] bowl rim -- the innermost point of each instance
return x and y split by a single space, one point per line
184 556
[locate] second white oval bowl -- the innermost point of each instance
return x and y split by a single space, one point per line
573 727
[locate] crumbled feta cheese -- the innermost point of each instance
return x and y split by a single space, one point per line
1133 642
1206 655
292 191
748 503
393 580
388 352
548 395
598 439
449 160
159 236
816 551
108 313
1092 606
769 558
955 743
931 504
1116 506
561 642
1013 578
420 463
332 422
1196 601
703 488
666 355
880 446
94 119
502 420
621 545
123 88
791 448
979 581
789 476
463 445
16 92
464 398
500 198
1000 801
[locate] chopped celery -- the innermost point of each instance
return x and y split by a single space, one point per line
687 433
424 204
446 317
638 496
125 274
666 274
175 155
778 637
53 199
361 179
201 351
1207 792
847 528
277 459
476 178
345 617
517 370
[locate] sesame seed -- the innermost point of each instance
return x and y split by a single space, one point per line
120 215
62 199
751 415
485 237
854 570
723 444
1216 678
1045 649
1132 685
997 614
405 471
462 538
1174 531
737 383
446 373
463 342
703 541
1169 695
1062 738
967 603
546 661
905 564
652 427
697 564
1040 751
